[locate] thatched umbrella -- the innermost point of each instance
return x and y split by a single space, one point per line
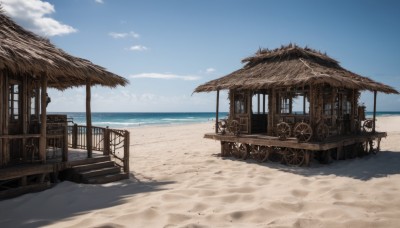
292 66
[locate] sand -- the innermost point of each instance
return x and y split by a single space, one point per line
179 181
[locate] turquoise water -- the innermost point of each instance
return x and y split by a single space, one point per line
135 119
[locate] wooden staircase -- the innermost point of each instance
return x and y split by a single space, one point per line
99 170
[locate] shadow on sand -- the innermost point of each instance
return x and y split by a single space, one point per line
68 199
383 164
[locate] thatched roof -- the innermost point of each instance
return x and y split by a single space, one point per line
292 66
23 52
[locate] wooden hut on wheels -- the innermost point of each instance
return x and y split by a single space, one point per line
29 65
263 121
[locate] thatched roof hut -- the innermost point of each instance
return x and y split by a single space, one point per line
292 66
23 52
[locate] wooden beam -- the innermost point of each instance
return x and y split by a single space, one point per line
258 103
217 112
25 112
2 111
43 117
263 103
88 119
373 123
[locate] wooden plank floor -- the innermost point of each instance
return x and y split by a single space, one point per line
264 140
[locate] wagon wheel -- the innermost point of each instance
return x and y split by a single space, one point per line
259 153
322 132
222 124
303 132
367 126
233 127
378 147
244 151
240 151
295 157
283 130
276 154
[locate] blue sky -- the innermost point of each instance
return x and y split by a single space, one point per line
166 48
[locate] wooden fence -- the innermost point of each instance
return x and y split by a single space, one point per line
111 142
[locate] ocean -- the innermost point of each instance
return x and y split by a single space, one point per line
136 119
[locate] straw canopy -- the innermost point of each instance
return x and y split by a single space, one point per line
292 66
24 53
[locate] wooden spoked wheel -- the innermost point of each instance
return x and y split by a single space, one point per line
240 151
367 126
222 124
303 132
259 153
322 132
295 157
233 127
283 130
276 154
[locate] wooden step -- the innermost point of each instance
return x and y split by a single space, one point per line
88 161
100 172
93 166
107 178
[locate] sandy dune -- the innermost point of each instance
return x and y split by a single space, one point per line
178 181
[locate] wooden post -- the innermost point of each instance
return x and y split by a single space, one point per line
43 117
106 136
304 103
2 111
75 136
373 123
258 103
216 113
264 103
126 152
24 112
65 143
249 104
88 120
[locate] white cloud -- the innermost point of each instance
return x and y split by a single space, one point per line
32 15
138 48
165 76
210 70
99 1
121 35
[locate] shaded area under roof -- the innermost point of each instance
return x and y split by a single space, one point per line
292 66
23 52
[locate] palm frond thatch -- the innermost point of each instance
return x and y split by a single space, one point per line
292 66
23 52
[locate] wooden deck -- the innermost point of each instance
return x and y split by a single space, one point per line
264 140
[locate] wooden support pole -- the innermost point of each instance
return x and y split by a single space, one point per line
43 117
6 119
373 123
258 103
75 136
2 111
216 113
65 143
304 103
263 103
88 120
126 152
25 112
106 136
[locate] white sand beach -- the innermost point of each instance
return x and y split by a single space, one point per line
179 181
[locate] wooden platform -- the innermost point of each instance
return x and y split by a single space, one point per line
264 140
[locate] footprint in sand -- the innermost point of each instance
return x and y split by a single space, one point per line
299 193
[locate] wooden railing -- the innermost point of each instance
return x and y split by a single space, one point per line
111 142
